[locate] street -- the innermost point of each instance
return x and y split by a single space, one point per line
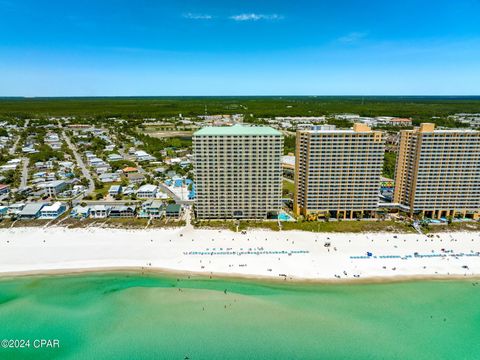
81 164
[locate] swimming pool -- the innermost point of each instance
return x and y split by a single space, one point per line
285 217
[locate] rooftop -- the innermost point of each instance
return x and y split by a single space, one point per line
332 129
237 130
430 128
54 207
147 187
173 208
31 209
54 183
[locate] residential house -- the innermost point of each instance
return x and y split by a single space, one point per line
172 174
47 165
103 168
52 188
141 155
114 157
135 178
53 211
98 164
173 210
29 149
109 177
99 211
129 169
15 209
173 161
53 140
8 167
80 212
14 161
152 209
4 189
147 192
184 163
69 165
122 211
115 190
78 189
30 211
129 190
160 170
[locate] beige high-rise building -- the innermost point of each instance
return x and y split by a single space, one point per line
438 172
338 171
238 172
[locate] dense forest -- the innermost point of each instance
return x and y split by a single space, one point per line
419 108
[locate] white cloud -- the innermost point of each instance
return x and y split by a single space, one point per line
352 37
256 17
197 16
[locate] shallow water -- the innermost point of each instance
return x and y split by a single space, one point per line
130 316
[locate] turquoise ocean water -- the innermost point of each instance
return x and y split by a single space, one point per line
134 316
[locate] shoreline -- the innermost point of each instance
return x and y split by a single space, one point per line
280 257
192 275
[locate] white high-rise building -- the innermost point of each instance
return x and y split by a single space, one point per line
238 172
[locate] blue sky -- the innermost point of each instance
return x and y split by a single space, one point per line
213 47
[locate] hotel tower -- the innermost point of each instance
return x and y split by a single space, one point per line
438 172
238 172
338 171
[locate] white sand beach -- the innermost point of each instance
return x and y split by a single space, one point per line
298 255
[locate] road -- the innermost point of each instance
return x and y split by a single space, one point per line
24 179
111 202
15 144
81 164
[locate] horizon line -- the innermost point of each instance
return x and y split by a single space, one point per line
230 96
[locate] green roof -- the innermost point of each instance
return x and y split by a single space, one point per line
173 208
236 130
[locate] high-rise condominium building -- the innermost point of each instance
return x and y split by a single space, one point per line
238 172
338 171
438 172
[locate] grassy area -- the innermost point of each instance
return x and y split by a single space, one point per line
456 226
125 223
182 135
288 189
232 225
215 224
350 226
7 223
389 165
314 226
